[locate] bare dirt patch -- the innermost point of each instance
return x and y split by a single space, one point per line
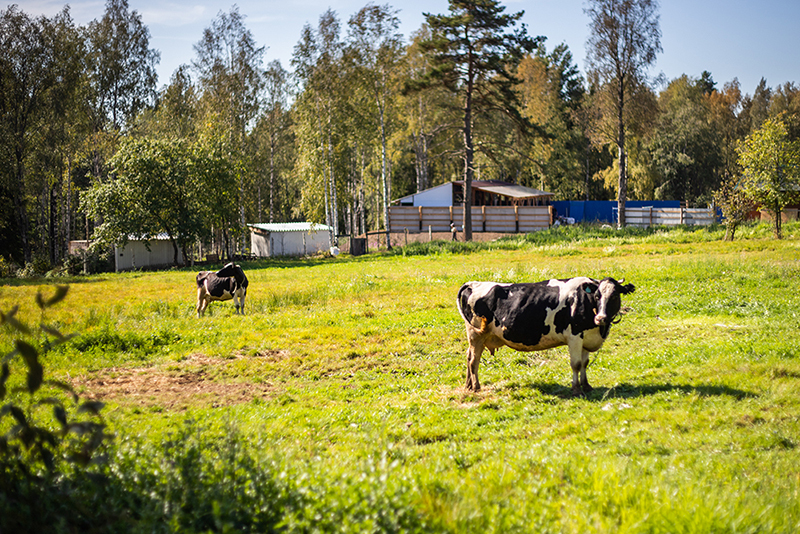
193 382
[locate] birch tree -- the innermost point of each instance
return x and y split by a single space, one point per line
378 49
624 40
228 62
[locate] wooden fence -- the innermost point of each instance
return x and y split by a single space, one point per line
507 219
649 216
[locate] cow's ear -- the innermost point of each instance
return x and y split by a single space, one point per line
628 288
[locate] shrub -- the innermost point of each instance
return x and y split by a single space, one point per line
8 269
52 446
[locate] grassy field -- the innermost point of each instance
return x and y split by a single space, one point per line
337 403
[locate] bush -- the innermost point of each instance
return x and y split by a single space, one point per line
7 269
52 446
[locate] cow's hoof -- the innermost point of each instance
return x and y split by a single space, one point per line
578 392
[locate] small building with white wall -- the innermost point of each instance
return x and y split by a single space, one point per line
140 253
288 239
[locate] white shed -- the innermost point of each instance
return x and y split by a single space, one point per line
140 253
288 239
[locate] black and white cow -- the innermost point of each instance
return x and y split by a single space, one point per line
576 312
225 284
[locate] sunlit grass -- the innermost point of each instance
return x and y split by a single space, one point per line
692 427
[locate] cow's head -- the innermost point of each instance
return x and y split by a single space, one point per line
609 302
230 269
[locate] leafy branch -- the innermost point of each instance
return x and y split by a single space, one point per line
30 439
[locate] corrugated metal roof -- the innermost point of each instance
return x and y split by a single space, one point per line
163 236
510 190
491 186
412 195
291 227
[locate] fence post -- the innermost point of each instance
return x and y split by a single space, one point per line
430 233
682 211
650 224
483 216
516 219
420 219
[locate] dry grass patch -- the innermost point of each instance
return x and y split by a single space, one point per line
192 382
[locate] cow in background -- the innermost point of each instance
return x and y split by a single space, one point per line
576 312
225 284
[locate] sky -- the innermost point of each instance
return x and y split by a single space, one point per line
743 39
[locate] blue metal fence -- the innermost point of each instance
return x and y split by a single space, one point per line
603 210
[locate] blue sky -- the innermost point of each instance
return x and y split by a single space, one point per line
740 39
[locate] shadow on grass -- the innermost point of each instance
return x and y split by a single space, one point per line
628 391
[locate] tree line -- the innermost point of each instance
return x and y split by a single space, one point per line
93 149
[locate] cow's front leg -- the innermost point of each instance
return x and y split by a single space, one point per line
576 352
584 364
473 362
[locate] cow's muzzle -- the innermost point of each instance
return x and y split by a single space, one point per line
600 319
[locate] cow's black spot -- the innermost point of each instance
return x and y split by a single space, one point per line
584 304
463 303
525 311
562 319
488 305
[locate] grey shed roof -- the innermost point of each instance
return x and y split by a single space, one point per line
291 227
509 190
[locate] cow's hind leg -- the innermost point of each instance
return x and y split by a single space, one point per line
473 362
201 302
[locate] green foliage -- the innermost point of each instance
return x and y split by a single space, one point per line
685 149
136 345
734 203
7 268
770 162
50 440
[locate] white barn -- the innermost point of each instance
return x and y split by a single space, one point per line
144 253
288 239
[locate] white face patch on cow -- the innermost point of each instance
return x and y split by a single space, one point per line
606 292
567 287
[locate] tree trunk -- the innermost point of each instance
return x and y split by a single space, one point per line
362 198
730 230
20 208
334 198
622 195
68 206
271 177
384 178
468 158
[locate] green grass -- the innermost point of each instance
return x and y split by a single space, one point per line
693 425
